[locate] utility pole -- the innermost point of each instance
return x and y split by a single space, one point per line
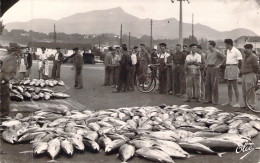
129 41
192 32
54 35
180 21
121 30
151 41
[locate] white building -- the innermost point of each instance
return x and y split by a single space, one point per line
254 40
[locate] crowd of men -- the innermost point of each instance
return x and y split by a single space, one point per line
184 71
24 64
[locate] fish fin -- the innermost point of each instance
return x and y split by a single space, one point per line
220 154
52 161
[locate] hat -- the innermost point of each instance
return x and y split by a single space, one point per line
58 48
191 45
135 47
185 46
162 44
43 48
142 45
155 47
199 47
248 46
74 49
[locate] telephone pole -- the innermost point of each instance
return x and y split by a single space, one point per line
192 31
151 41
54 35
180 21
129 41
121 30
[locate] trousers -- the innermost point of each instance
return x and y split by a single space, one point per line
178 79
56 70
78 77
211 85
193 80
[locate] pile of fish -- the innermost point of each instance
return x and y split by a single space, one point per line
41 83
157 133
22 93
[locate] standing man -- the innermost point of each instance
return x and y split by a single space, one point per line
163 69
169 64
124 66
143 59
29 62
58 59
202 70
108 67
43 64
250 69
193 62
178 72
131 73
233 64
213 62
185 50
115 65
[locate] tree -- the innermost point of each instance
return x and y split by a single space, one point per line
190 40
1 27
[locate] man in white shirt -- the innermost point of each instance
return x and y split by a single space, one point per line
131 73
163 69
43 64
233 64
193 78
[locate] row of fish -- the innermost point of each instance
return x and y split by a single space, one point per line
40 82
21 93
157 133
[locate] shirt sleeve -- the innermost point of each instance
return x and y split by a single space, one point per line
199 58
239 55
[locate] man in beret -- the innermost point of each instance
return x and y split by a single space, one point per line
250 69
233 66
124 68
193 78
143 59
179 81
214 59
163 69
108 67
57 61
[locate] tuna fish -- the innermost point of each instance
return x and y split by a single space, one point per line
126 152
154 155
53 148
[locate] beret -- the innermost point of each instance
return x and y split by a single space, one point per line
248 46
162 44
191 45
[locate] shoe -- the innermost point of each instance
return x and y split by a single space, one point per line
181 95
187 100
236 105
79 87
117 91
207 102
227 104
198 100
170 93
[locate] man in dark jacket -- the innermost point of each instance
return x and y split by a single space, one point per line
29 62
58 58
124 67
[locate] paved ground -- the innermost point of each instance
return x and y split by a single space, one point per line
96 96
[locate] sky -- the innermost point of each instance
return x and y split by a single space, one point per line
222 15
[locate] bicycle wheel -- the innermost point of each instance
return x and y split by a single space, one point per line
145 83
253 99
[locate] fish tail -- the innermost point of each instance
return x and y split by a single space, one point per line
221 153
52 161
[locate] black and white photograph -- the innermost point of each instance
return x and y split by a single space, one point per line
130 81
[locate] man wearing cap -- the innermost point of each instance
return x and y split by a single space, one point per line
233 64
179 58
169 64
250 69
213 62
185 50
58 58
131 73
108 67
43 64
143 59
124 68
115 65
193 61
163 69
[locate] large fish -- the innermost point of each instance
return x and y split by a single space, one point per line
126 152
94 146
53 148
10 136
104 141
154 155
78 144
172 152
114 145
67 147
40 148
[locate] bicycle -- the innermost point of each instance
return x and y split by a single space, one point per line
254 91
147 82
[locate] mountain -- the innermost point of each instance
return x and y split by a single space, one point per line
108 21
